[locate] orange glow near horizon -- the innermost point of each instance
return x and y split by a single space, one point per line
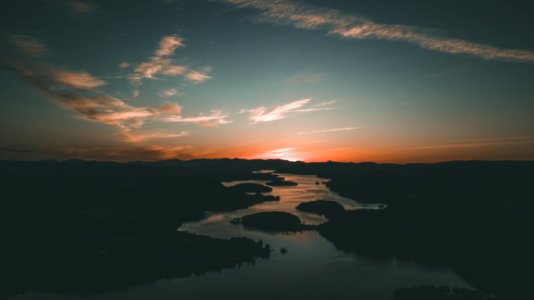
520 148
394 154
292 92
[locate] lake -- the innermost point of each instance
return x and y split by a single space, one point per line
311 269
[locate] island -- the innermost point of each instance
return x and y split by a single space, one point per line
281 181
274 221
250 187
322 207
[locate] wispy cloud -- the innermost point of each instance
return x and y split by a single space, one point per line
197 77
78 91
337 23
161 64
263 114
82 97
28 44
326 103
97 106
81 7
79 80
312 109
172 92
330 130
136 137
168 45
277 153
113 111
171 108
215 118
156 66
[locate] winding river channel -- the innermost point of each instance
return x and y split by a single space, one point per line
312 268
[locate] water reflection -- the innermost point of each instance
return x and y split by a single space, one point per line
312 268
309 188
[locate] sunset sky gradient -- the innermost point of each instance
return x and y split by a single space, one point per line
298 80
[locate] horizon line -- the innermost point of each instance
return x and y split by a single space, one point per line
269 159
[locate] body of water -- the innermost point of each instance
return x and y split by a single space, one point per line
311 269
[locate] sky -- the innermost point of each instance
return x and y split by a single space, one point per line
310 80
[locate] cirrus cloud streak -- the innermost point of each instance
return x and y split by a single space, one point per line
337 23
330 130
161 64
262 114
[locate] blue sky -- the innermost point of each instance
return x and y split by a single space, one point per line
307 80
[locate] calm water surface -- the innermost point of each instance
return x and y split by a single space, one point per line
312 269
